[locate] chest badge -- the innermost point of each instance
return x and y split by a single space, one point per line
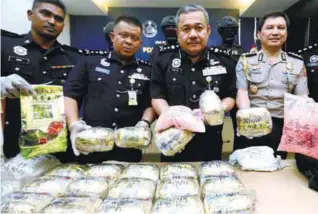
104 62
213 62
139 70
314 58
253 89
176 63
19 50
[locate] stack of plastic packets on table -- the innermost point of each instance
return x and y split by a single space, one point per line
65 189
133 192
178 190
222 191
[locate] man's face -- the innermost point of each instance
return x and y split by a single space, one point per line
193 32
126 39
273 33
47 20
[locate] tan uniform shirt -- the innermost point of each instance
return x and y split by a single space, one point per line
266 83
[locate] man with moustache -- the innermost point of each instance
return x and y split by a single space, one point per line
181 74
264 77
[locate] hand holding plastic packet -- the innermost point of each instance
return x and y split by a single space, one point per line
211 108
300 132
43 122
254 122
172 140
96 139
180 117
257 158
133 137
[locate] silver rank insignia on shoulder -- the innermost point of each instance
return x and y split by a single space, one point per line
176 63
19 50
104 62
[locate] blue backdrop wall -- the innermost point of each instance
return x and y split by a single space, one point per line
87 31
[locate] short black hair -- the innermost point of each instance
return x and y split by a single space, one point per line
130 20
58 3
272 15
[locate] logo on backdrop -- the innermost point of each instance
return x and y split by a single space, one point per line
149 29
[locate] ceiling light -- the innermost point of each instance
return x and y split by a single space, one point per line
102 5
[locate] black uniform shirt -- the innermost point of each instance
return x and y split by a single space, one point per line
20 55
310 55
179 81
104 84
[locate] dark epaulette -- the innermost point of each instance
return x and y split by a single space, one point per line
219 51
167 48
249 54
73 49
10 34
295 55
143 62
310 47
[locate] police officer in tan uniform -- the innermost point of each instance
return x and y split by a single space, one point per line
263 78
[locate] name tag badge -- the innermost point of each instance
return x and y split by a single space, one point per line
19 60
102 70
215 70
138 76
132 98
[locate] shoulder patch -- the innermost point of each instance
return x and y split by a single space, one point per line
168 48
143 62
295 55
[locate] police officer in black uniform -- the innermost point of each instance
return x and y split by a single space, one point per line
308 165
115 91
181 75
228 29
37 58
169 29
107 30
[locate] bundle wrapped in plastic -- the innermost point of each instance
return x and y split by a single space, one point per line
133 137
180 205
43 128
221 185
257 158
108 171
69 170
172 141
180 117
177 187
25 170
211 108
229 203
300 132
53 185
82 205
36 201
8 187
125 206
254 122
216 168
138 188
17 207
88 187
172 170
141 171
96 139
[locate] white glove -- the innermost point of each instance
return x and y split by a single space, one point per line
14 85
143 124
75 128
